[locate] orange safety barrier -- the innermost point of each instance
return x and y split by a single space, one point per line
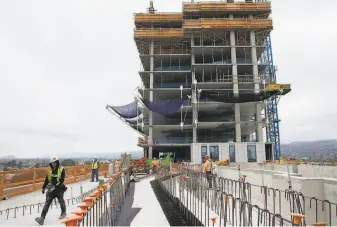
227 7
17 182
159 33
88 202
158 17
228 23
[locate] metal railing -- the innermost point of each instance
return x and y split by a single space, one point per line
102 207
218 205
29 209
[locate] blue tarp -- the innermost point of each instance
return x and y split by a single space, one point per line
164 107
128 111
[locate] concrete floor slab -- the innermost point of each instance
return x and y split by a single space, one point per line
141 207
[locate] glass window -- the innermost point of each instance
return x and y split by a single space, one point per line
214 153
203 153
251 153
232 153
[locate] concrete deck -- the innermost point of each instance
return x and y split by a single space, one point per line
141 207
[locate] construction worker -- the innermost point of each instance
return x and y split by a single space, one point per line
117 164
155 165
208 170
94 169
54 183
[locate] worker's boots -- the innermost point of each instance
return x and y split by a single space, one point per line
40 220
63 215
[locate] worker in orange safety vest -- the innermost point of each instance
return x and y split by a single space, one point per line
155 165
117 165
208 166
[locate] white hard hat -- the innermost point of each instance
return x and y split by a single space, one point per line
95 157
53 158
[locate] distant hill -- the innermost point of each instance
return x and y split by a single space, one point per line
309 148
7 157
134 155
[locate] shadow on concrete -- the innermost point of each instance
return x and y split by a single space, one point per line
169 207
128 213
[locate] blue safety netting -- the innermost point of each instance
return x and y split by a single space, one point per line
164 107
128 111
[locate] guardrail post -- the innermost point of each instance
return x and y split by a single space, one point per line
34 179
74 174
2 185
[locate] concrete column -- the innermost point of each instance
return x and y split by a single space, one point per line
237 123
254 62
235 84
233 59
151 98
258 118
194 97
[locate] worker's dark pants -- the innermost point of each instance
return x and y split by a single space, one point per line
154 169
209 178
94 172
57 193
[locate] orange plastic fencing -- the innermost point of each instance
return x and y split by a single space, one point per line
17 182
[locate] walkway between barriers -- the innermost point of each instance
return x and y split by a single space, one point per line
141 207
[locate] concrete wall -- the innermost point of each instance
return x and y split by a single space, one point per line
320 188
240 151
317 171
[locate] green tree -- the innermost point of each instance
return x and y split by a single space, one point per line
68 162
20 165
37 165
13 163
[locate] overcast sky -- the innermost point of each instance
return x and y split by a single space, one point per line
62 62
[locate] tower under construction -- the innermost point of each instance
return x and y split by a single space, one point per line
208 83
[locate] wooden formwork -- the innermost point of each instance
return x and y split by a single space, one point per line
158 17
226 7
228 23
159 33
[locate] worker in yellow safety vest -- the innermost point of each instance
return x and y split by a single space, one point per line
208 170
117 165
94 169
54 183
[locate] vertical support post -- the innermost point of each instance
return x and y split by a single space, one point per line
2 185
258 118
34 179
151 98
194 96
237 123
74 173
237 114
